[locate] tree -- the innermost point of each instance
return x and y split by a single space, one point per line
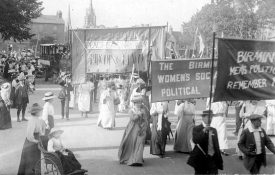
233 19
15 17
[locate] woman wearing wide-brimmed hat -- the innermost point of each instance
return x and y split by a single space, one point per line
68 160
5 103
133 140
30 153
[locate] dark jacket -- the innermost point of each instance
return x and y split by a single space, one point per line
21 95
248 146
197 158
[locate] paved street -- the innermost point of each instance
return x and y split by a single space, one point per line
97 148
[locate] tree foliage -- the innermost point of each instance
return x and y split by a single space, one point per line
232 18
15 17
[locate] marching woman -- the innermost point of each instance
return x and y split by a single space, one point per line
270 119
106 118
84 98
30 153
159 128
219 123
133 140
186 115
5 103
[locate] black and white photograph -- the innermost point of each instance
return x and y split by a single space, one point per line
137 87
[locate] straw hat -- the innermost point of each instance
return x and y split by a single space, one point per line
55 132
21 77
48 95
35 108
135 75
255 116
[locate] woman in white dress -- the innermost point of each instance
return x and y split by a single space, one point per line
186 115
219 123
270 119
84 97
106 118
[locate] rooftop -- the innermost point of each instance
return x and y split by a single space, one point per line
49 19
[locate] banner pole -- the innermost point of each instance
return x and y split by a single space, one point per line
149 56
212 72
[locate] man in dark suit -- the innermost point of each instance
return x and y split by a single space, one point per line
21 97
206 156
252 143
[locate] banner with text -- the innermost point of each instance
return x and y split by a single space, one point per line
181 79
246 70
117 50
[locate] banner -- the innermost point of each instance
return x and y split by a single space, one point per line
115 50
246 70
181 79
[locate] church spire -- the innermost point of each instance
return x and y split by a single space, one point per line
90 18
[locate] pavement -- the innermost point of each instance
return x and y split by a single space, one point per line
97 148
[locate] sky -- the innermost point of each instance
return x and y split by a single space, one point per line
127 13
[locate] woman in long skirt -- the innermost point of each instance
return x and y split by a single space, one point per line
5 103
30 153
183 136
84 99
106 118
270 119
133 140
159 133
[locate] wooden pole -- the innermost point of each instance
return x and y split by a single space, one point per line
149 57
212 73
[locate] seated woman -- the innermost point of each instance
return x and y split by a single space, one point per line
68 160
133 140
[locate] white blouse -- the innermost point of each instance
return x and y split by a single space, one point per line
47 110
35 125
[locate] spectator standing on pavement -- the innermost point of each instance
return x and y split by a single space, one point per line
84 97
133 140
159 130
270 118
252 143
30 153
206 156
62 97
21 97
186 115
5 103
48 111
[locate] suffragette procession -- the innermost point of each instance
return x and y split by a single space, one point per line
145 88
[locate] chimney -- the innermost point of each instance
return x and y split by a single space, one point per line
59 14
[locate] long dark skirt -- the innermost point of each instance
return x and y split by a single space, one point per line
69 162
158 138
5 117
30 155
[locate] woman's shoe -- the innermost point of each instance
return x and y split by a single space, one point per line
240 157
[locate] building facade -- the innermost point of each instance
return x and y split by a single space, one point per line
49 26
